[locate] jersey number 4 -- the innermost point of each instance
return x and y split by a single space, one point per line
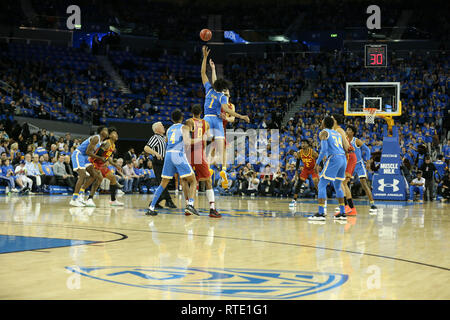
172 138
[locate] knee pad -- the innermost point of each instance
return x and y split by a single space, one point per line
322 194
338 188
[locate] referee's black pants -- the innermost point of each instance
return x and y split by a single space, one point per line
157 168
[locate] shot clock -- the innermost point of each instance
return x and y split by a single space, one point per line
375 55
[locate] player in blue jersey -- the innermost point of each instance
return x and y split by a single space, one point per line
81 164
175 161
333 171
216 102
360 168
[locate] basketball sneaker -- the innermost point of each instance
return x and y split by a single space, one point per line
340 216
420 201
76 203
90 203
373 209
352 212
116 203
293 203
214 214
347 210
150 212
317 217
192 210
119 193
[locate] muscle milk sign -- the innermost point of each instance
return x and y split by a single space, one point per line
388 182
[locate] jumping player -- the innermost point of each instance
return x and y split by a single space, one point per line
105 151
197 156
360 168
333 170
215 102
308 156
178 136
81 164
351 163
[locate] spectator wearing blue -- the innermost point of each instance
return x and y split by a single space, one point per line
47 169
446 150
40 151
441 166
7 176
417 185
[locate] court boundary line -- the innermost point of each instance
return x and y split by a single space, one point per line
235 238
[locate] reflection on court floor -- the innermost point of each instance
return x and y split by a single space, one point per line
259 249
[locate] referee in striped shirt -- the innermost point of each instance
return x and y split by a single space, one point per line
156 146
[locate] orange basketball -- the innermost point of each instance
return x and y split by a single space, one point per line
205 34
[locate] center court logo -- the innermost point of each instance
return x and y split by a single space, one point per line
393 185
228 282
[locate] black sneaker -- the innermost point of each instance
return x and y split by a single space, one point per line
214 214
317 217
171 205
150 212
340 216
192 210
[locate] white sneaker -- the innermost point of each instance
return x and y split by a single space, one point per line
81 199
90 203
293 203
76 203
14 190
119 193
116 203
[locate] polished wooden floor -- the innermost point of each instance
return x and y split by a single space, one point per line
259 249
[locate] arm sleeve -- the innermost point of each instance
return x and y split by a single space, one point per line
366 151
323 150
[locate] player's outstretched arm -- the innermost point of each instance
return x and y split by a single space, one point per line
228 110
205 51
213 71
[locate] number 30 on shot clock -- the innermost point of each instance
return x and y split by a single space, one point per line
375 55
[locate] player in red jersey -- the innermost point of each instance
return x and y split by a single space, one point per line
105 151
350 209
308 157
197 156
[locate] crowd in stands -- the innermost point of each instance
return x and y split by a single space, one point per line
32 162
66 84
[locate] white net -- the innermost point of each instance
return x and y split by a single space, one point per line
371 114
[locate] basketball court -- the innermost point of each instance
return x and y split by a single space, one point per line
259 249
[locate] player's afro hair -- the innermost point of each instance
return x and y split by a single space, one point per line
112 129
221 84
353 128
